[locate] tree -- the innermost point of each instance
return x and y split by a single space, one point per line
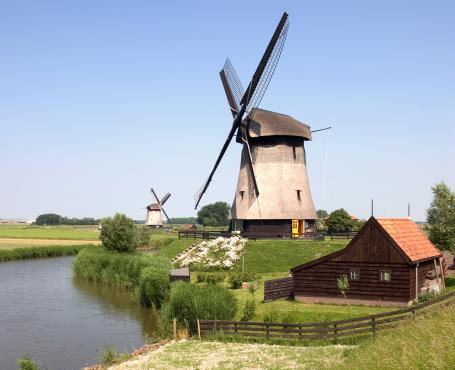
321 213
48 219
215 214
339 221
343 287
441 217
118 233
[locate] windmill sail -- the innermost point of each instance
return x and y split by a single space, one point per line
251 96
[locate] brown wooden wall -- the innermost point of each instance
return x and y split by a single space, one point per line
321 280
271 228
370 252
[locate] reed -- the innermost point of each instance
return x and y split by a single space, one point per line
42 251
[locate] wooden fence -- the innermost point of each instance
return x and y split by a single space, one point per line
365 325
278 288
194 234
348 235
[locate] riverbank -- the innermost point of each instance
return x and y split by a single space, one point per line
14 254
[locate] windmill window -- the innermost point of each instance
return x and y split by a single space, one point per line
385 275
298 195
294 153
354 274
241 195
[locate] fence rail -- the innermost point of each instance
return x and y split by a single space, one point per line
365 325
278 288
193 234
348 235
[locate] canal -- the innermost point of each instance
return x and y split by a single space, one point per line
62 322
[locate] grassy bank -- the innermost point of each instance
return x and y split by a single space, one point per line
426 342
42 251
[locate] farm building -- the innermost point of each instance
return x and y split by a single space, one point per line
389 262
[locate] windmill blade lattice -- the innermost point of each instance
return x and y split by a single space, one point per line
269 69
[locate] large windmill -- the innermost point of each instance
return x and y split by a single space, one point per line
273 195
154 218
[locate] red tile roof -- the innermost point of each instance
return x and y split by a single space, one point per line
409 238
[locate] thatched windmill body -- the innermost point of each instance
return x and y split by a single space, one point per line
154 217
273 196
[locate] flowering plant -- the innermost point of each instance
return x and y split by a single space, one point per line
220 253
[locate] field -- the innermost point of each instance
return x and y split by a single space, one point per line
85 233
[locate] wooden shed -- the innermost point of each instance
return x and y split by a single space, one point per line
389 262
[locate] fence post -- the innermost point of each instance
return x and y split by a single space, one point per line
267 332
300 333
174 328
235 328
198 329
335 333
373 326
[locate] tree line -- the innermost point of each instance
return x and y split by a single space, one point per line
55 219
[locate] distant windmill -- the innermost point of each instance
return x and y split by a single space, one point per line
154 210
273 195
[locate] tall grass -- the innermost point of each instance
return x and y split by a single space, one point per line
145 276
43 251
189 302
426 342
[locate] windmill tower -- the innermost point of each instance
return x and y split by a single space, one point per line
154 218
273 196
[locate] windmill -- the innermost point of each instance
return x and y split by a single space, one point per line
273 197
154 218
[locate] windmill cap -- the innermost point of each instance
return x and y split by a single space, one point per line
266 123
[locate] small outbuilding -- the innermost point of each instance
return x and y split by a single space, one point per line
389 262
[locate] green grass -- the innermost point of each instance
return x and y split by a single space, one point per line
450 283
426 342
281 255
49 232
176 246
42 251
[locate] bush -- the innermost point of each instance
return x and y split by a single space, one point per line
339 221
237 278
109 354
118 233
427 296
249 310
153 287
138 273
143 234
210 278
26 363
189 302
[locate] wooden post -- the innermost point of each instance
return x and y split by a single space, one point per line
442 274
267 332
417 282
373 326
174 327
198 329
335 333
437 275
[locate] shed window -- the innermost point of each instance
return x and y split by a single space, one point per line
385 275
354 274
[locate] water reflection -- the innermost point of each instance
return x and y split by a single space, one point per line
62 322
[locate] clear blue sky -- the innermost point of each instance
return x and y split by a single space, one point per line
99 100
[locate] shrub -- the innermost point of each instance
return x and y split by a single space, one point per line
214 278
153 287
220 253
118 233
189 302
200 277
143 234
26 363
109 354
427 296
237 278
249 310
271 316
